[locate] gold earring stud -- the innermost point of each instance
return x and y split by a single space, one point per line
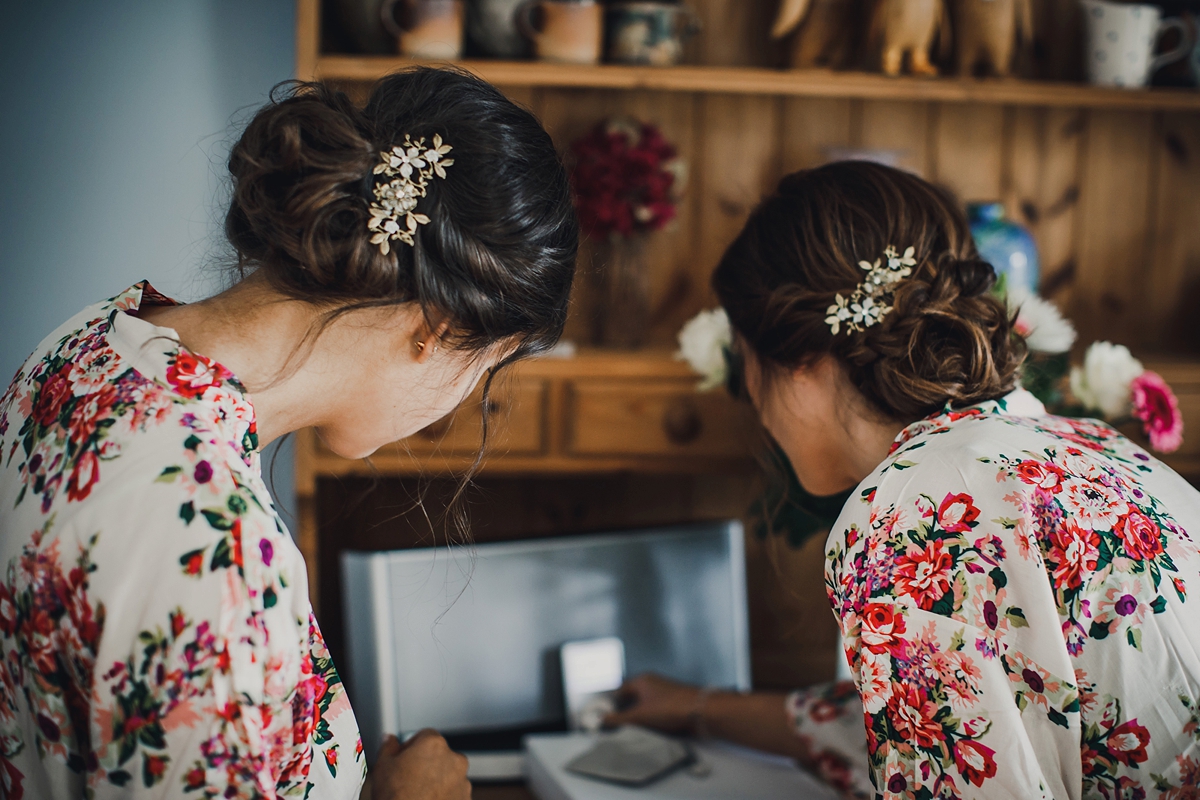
420 347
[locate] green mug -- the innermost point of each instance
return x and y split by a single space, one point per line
650 33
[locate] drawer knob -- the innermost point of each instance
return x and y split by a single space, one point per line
682 422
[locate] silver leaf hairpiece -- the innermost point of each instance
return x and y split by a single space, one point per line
410 166
868 304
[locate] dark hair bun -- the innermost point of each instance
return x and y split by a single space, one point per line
948 339
498 255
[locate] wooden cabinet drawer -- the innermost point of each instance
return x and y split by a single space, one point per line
657 418
516 424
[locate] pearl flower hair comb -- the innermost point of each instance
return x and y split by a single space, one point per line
410 166
867 305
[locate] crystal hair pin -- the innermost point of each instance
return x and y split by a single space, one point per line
868 305
410 166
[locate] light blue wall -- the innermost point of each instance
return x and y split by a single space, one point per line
115 121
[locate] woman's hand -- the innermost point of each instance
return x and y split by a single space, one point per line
423 768
655 702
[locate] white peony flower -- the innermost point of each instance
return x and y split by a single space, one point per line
703 342
1040 322
1102 383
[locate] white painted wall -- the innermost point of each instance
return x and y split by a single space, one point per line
115 121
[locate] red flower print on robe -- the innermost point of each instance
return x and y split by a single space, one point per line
1140 535
882 625
975 761
925 574
912 715
1127 743
1042 475
51 398
957 513
1073 551
191 375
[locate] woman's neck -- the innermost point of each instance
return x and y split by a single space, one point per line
263 337
830 434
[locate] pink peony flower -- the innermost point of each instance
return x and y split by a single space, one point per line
1155 405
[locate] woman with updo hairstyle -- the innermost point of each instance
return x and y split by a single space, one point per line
1015 590
155 629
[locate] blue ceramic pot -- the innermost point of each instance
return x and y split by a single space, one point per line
1004 244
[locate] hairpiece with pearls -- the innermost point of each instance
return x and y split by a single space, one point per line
410 166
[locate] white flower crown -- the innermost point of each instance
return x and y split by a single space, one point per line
411 166
868 303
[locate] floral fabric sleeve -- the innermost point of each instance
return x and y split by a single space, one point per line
1002 583
956 698
156 638
828 720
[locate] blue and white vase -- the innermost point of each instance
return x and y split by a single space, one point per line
1004 244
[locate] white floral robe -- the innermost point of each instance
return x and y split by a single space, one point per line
1013 589
155 632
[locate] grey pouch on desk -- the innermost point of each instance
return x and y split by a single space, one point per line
632 756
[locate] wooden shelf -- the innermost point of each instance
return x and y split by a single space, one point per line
807 83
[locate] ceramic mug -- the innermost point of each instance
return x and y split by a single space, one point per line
429 29
648 32
570 31
492 28
1119 42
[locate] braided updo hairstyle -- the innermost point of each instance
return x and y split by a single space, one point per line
948 339
498 256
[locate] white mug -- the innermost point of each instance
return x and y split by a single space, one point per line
1119 41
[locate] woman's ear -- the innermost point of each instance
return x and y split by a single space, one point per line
428 338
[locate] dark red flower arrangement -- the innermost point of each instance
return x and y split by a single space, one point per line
627 179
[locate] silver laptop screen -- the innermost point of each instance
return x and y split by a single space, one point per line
468 640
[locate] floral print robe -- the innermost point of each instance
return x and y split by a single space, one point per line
1013 589
155 632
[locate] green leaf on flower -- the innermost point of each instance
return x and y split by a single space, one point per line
222 556
217 519
119 777
1159 605
192 442
187 512
1016 618
945 606
1098 630
269 598
169 474
902 465
1058 718
999 579
1134 637
237 504
956 641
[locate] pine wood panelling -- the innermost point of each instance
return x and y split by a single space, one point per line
1173 280
811 127
568 114
1042 189
739 164
968 155
679 284
900 126
1112 237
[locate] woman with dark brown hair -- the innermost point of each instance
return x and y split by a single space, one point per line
156 637
1012 587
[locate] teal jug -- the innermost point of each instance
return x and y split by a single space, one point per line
1004 244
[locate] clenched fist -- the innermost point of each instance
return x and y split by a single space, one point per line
423 768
